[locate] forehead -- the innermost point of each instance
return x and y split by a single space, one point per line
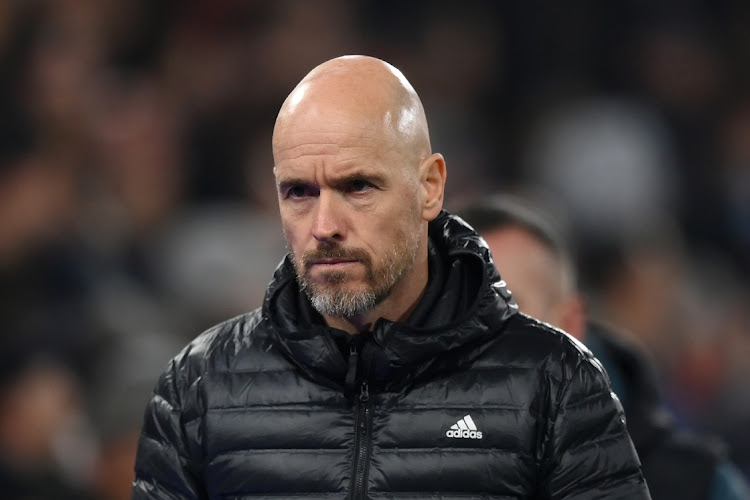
320 120
306 153
335 140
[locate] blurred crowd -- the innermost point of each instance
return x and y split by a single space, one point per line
137 204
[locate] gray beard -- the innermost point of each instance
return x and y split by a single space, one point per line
343 303
333 301
331 298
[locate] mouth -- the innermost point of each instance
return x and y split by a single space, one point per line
331 263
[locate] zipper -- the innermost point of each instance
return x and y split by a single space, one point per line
351 368
362 443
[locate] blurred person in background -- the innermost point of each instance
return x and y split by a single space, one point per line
117 394
607 160
730 410
684 306
386 358
536 262
46 443
734 180
635 278
44 283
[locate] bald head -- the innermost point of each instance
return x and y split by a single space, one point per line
367 95
357 186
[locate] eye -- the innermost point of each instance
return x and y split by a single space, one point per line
297 191
360 185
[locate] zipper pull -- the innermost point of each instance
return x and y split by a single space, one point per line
351 370
364 392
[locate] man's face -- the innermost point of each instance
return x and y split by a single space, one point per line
350 211
537 279
529 269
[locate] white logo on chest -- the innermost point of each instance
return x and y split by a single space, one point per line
464 429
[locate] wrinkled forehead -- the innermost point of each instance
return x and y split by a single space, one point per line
327 129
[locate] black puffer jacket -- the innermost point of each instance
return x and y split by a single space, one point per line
477 401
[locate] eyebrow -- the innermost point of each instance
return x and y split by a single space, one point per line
292 181
377 179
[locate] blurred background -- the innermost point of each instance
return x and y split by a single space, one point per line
137 204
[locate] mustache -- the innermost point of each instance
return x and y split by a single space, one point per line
334 251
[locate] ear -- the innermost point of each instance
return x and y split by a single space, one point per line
432 175
572 314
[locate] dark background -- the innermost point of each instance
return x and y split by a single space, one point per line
137 204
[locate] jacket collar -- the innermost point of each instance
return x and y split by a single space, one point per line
469 310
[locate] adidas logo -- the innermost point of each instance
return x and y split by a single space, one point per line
465 429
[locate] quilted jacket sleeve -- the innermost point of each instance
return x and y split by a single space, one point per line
163 466
592 455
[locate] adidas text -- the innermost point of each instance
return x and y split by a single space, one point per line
464 429
464 434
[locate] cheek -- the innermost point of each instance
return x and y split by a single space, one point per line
397 229
291 235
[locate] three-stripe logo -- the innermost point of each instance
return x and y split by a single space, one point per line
464 429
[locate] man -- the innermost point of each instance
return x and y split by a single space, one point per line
533 258
387 359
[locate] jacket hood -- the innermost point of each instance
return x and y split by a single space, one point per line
472 306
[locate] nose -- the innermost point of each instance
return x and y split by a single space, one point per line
328 219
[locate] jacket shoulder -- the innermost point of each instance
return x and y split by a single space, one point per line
224 346
527 340
548 361
583 445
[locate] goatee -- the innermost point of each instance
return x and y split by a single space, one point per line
329 293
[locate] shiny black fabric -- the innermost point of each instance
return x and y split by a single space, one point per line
260 407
